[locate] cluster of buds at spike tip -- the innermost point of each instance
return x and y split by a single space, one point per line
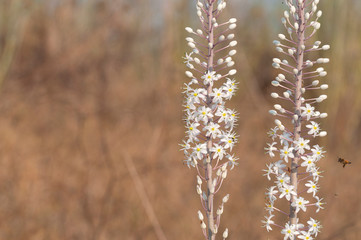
209 124
294 141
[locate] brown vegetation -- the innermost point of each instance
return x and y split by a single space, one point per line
93 83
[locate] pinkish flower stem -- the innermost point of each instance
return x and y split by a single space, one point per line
298 102
209 168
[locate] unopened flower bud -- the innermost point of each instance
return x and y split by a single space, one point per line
324 86
225 198
281 77
323 134
275 83
200 216
232 72
292 9
189 74
276 60
199 180
277 107
286 94
220 210
274 95
232 52
224 174
232 20
188 29
315 82
319 13
225 233
323 115
276 42
286 14
192 45
224 167
276 65
322 74
199 190
230 36
282 36
232 26
325 47
233 43
279 49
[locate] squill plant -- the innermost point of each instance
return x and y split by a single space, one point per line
209 137
296 175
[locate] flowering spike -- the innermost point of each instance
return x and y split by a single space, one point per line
209 123
296 175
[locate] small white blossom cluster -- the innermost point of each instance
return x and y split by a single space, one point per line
209 123
296 174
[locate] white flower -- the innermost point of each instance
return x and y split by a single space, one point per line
230 119
271 193
196 95
221 113
188 58
268 222
317 152
305 235
308 162
269 208
313 226
307 111
218 151
204 114
285 138
316 173
301 144
300 203
279 166
232 161
209 77
312 187
270 149
273 133
319 203
212 130
217 95
314 128
229 90
228 139
287 191
283 179
286 152
200 150
268 171
186 147
289 231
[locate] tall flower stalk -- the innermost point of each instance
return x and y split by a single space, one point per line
296 175
209 136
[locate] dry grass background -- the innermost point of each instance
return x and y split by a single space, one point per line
86 85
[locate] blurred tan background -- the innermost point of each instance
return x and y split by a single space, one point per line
90 91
